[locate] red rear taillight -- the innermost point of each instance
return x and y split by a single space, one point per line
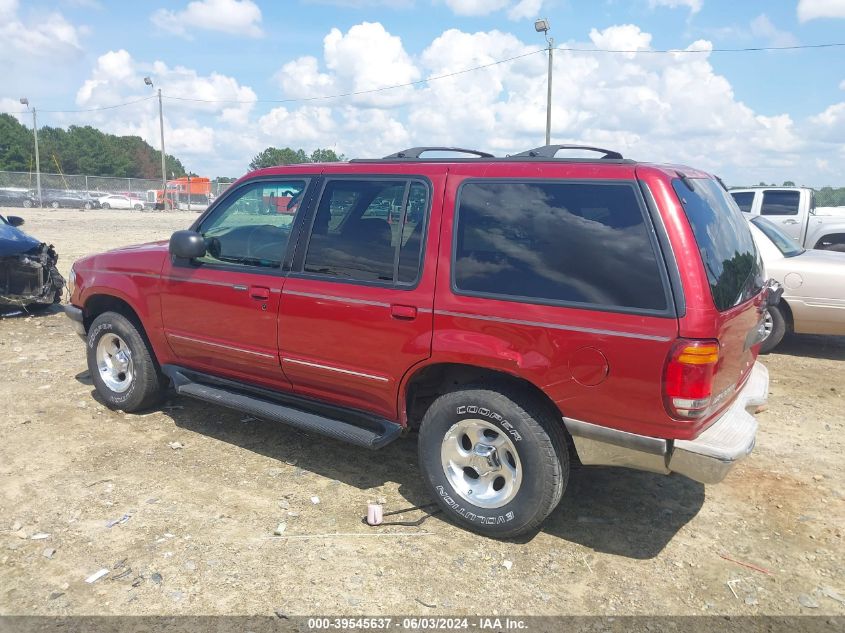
688 377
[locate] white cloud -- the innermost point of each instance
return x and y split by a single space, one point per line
525 9
762 27
693 5
47 36
814 9
672 108
117 77
235 17
366 57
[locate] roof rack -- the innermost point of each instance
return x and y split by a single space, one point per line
549 151
414 152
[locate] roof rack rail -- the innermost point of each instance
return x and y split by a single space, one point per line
414 152
549 151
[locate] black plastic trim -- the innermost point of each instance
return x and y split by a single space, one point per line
348 425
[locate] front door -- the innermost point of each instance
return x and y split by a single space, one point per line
220 311
356 310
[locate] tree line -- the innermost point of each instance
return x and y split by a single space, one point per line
81 150
825 196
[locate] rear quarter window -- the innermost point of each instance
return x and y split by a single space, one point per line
584 244
730 258
744 200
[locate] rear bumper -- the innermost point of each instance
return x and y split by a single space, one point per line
76 318
707 459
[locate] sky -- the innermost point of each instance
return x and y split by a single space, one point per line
241 75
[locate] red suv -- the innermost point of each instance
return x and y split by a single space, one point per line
523 313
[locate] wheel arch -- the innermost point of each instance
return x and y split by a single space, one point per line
831 239
99 303
422 386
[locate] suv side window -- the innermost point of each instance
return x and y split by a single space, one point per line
252 226
369 230
550 242
780 202
744 200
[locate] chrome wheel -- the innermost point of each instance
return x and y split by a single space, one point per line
481 463
768 325
114 361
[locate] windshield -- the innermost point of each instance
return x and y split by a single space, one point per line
786 246
727 249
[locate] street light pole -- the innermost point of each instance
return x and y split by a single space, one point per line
549 94
542 26
163 165
149 82
25 102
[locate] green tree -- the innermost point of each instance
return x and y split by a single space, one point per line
81 150
788 183
326 156
273 156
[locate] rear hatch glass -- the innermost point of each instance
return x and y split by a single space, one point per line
733 265
734 272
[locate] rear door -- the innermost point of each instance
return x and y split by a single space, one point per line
356 311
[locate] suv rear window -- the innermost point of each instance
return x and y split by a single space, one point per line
780 202
544 242
727 249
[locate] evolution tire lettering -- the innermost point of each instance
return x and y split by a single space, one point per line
472 516
487 413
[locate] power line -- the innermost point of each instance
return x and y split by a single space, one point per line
97 109
651 51
510 59
362 92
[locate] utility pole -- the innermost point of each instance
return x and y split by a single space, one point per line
149 82
542 26
25 102
163 166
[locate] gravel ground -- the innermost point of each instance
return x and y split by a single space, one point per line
195 524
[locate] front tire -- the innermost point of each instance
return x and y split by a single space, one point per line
106 205
121 364
775 325
27 204
495 460
54 205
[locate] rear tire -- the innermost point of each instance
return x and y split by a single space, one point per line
54 205
27 204
121 364
106 205
776 326
498 448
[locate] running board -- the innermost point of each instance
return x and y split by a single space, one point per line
353 427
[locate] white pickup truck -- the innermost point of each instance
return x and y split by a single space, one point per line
794 210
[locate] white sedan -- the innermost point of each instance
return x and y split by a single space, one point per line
813 281
117 201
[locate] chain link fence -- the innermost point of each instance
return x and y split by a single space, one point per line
74 190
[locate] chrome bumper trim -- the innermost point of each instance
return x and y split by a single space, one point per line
706 459
76 318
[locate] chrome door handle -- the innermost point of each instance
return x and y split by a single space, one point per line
790 221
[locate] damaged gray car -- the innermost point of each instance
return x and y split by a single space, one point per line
28 274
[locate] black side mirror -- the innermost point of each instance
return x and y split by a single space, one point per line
14 220
187 244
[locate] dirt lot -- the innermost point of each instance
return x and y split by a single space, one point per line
199 537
